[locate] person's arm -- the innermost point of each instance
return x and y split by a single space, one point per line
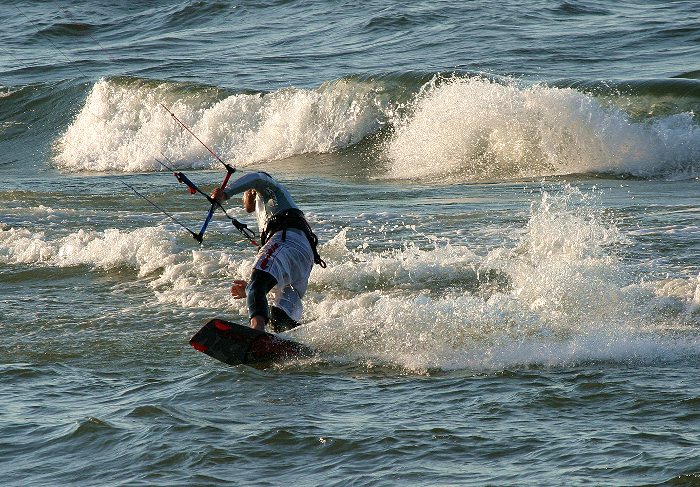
258 181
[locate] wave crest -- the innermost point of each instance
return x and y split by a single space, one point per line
475 128
121 126
462 127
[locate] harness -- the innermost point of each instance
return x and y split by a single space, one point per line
292 218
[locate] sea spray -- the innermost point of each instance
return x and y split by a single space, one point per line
122 128
462 127
560 295
557 291
476 128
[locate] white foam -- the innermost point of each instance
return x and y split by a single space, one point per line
21 246
189 278
121 126
145 249
408 267
464 128
557 296
475 129
695 303
201 278
673 295
563 296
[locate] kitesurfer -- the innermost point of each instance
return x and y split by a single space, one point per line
284 261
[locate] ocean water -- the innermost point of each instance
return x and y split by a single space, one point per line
507 196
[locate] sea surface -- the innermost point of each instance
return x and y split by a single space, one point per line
507 195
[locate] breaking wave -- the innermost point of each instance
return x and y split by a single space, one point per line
412 126
122 126
558 294
474 128
561 295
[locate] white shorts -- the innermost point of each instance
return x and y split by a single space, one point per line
290 262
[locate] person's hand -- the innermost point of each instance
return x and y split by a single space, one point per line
218 195
249 200
238 289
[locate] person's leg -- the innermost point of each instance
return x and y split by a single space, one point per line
280 320
260 284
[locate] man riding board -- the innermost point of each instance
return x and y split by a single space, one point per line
284 261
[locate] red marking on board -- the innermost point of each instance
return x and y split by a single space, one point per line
221 326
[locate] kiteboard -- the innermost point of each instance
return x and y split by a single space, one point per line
236 344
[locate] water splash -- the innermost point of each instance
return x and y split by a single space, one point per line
560 294
460 127
474 128
121 126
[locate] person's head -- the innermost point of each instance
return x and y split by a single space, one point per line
249 200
